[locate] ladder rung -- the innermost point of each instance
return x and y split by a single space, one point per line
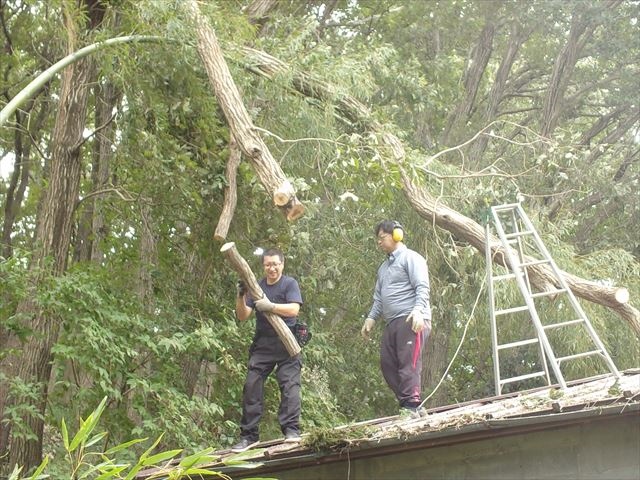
522 377
549 293
579 355
505 207
504 276
518 344
563 324
518 234
512 310
534 262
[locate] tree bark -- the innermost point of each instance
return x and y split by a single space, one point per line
258 10
435 364
21 170
32 361
230 192
148 258
541 276
516 39
603 122
581 30
91 227
269 172
53 237
613 137
242 268
472 76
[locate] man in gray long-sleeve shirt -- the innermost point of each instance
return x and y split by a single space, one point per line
401 298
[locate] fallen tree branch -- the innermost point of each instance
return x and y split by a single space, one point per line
242 268
230 193
268 170
426 205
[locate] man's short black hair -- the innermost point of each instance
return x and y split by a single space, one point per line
385 226
272 252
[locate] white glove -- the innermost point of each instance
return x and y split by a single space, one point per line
417 321
264 305
367 327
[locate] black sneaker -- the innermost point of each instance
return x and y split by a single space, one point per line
291 436
243 445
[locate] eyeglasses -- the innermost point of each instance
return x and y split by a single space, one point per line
380 238
272 265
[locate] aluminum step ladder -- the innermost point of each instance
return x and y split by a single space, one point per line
521 235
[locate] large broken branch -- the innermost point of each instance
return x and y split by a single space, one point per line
268 170
240 265
230 192
541 276
427 206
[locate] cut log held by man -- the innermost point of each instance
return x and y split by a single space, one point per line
241 266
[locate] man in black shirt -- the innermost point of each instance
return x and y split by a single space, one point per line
283 298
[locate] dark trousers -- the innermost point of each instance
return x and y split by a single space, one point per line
265 354
401 360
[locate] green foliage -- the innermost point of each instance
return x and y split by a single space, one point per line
331 439
85 458
150 323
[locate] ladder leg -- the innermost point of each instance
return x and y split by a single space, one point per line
572 299
515 268
492 317
543 360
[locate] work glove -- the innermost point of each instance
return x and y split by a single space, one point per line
367 327
241 288
417 321
264 305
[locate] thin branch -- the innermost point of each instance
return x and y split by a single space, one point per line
297 140
95 132
126 196
482 132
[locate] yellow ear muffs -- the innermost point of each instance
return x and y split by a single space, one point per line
398 232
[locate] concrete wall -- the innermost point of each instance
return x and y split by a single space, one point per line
607 449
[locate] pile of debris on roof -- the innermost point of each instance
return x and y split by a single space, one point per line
533 410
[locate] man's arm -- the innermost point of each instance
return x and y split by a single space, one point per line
286 309
419 277
242 311
376 308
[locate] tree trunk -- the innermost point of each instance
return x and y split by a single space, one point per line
541 276
603 122
21 171
435 363
91 227
472 76
31 362
516 39
613 137
148 258
563 67
258 10
53 236
230 192
269 172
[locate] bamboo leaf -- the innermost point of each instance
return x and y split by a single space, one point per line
198 458
160 457
125 445
65 434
